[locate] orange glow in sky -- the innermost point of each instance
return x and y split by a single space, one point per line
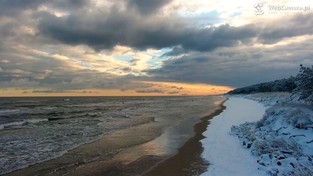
155 89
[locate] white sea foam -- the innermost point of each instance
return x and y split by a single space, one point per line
34 139
8 111
21 123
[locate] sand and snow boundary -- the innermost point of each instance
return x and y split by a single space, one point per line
275 137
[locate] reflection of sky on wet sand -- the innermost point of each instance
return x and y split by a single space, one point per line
150 148
173 137
164 145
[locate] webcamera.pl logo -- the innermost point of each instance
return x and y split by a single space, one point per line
258 9
261 9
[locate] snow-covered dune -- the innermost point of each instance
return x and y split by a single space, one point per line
261 134
283 139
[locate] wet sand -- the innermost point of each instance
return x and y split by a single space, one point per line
144 149
94 158
188 160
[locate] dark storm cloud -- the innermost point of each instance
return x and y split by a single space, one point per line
69 4
147 6
212 72
117 26
236 67
104 31
212 56
293 26
211 38
11 7
177 50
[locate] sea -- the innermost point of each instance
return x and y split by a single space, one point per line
37 129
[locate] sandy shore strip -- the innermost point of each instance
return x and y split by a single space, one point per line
224 151
130 151
96 157
187 161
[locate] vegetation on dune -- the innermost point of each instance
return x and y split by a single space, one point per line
301 86
282 139
304 82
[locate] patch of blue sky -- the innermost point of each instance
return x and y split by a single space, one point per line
204 18
47 58
47 50
235 14
84 64
38 55
127 58
157 60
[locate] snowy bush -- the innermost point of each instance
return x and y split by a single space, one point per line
282 140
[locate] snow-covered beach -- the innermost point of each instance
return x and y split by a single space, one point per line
260 134
224 151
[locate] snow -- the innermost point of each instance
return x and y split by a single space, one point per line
223 151
269 98
283 139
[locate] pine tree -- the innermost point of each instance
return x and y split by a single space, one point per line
304 82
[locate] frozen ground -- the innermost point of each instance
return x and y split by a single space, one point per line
224 151
269 99
283 139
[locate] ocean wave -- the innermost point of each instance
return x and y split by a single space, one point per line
68 124
21 123
9 111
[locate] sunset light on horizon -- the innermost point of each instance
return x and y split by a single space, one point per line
149 48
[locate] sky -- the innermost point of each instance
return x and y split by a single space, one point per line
149 47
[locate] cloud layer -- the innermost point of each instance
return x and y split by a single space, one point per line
119 27
61 46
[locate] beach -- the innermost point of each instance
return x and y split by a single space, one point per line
143 148
156 88
188 159
223 150
209 136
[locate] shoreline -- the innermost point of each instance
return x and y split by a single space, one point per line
224 151
188 160
92 158
124 152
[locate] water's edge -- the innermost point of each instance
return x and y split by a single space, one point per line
114 153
